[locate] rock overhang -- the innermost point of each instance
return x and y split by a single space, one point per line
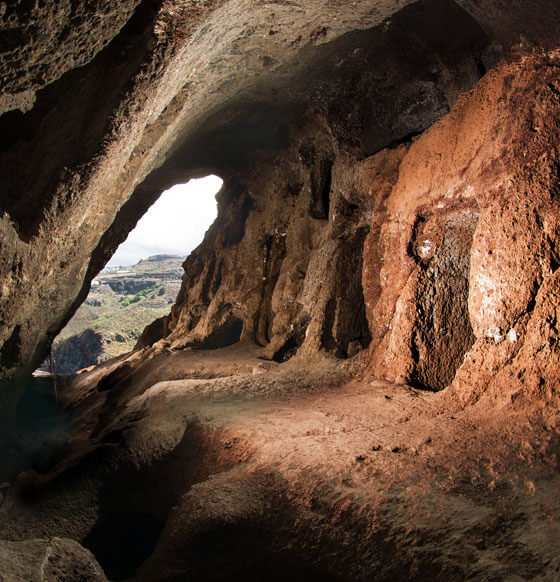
205 87
374 86
348 218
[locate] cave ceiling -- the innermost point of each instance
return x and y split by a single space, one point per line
359 377
105 106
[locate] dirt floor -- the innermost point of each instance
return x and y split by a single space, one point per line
223 466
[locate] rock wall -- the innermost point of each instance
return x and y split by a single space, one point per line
472 227
282 265
127 103
391 181
460 231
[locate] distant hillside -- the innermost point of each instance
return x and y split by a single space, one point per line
121 303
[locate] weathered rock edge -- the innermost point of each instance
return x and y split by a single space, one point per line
172 82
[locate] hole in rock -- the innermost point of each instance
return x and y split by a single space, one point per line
227 334
142 279
14 127
135 503
443 332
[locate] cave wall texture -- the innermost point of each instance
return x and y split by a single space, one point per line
388 231
343 223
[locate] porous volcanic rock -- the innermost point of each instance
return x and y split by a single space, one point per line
467 256
359 377
185 89
53 560
237 472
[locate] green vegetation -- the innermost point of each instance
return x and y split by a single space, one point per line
121 303
129 300
139 295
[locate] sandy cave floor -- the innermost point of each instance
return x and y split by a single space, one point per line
348 471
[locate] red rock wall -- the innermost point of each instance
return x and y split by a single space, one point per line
282 265
467 255
123 106
461 246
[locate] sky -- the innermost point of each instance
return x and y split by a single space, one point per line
175 224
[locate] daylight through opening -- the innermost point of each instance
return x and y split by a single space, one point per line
142 279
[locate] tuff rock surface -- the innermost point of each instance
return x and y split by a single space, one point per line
359 377
203 86
51 560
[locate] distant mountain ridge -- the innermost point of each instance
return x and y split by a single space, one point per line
151 259
122 301
156 258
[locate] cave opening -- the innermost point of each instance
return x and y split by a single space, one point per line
141 280
383 204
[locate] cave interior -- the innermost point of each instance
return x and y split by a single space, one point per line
359 378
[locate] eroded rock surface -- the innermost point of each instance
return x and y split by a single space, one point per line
461 236
235 471
51 560
182 90
359 377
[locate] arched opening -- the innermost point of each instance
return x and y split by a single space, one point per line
141 281
378 195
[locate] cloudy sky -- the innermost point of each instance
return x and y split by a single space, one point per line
175 224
